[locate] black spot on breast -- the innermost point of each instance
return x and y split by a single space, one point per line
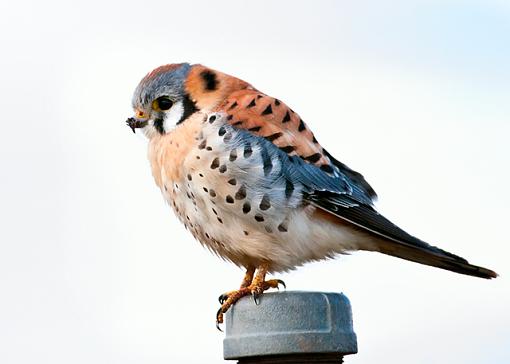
229 199
282 227
222 131
314 140
259 96
247 151
259 217
210 80
268 110
189 177
302 125
327 168
208 148
265 203
313 158
255 128
223 168
277 102
288 149
246 207
220 220
212 193
213 210
251 104
232 181
203 144
215 163
200 174
286 118
233 155
289 188
241 193
237 123
212 118
230 117
274 136
245 232
205 189
233 106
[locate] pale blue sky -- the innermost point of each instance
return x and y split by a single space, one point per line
413 94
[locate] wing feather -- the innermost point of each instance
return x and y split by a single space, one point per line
395 241
344 195
271 119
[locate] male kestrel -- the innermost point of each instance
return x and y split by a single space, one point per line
249 180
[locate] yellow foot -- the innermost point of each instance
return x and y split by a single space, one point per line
244 291
256 288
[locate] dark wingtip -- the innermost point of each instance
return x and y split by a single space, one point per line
462 266
487 273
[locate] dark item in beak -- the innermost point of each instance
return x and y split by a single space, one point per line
135 123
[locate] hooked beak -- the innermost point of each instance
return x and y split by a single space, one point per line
135 123
139 121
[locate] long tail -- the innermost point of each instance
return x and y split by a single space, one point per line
392 240
435 257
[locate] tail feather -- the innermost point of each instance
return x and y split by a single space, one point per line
392 240
434 257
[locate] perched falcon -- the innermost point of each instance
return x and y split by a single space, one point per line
247 177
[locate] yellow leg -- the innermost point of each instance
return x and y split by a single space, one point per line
250 285
248 278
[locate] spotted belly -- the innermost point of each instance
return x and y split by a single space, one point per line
235 195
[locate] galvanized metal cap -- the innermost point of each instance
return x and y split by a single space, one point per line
289 322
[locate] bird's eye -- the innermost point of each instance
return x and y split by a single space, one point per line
162 103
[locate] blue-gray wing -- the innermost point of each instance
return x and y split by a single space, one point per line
345 194
310 178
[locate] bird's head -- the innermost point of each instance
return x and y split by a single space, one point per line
170 94
161 101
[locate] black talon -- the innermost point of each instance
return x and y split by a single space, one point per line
217 320
282 283
256 297
222 298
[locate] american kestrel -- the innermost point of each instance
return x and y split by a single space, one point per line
246 176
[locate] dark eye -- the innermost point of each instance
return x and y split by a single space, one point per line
162 103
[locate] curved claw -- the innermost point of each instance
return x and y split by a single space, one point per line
282 283
222 298
256 297
219 319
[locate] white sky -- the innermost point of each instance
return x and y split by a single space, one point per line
94 268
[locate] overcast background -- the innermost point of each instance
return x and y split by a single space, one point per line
94 267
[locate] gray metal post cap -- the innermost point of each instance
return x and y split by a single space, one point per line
289 322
